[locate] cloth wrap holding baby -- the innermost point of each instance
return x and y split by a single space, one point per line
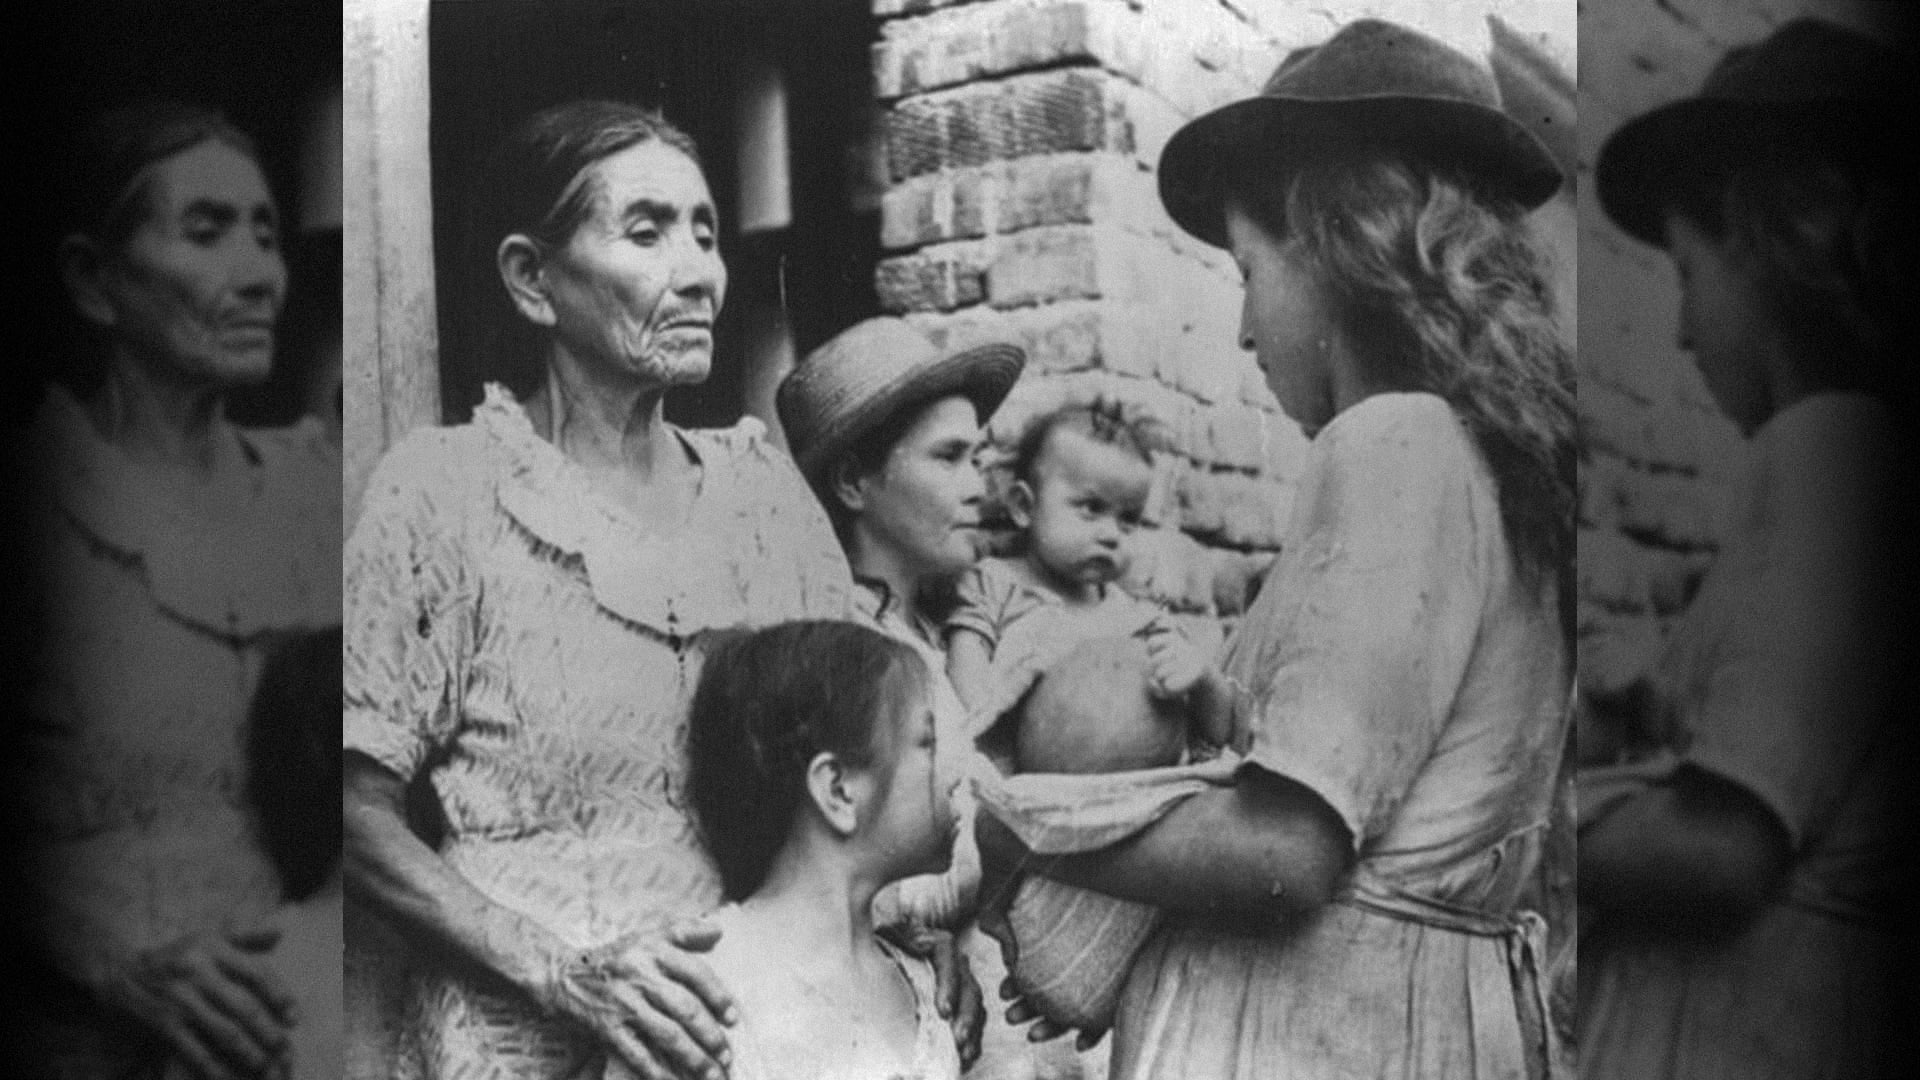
1084 718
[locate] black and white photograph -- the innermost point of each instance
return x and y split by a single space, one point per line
172 432
1013 538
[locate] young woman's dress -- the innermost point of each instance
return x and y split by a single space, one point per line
1782 672
1399 668
527 645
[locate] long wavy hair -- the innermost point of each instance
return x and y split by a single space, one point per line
1441 288
1827 233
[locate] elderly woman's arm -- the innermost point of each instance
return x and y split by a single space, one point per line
649 998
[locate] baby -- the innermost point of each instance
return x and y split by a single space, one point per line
1081 481
813 779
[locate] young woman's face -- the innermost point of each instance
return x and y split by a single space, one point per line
912 819
1724 323
637 287
1287 320
1085 499
197 287
923 505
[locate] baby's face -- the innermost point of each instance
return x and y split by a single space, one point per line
1087 499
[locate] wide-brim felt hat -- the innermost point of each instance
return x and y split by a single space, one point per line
870 371
1373 82
1809 86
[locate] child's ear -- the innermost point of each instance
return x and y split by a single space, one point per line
1020 500
836 792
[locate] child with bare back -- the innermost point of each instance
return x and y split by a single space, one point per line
813 778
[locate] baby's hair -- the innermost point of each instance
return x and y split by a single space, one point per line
768 702
1108 423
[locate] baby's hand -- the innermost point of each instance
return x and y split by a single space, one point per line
1176 663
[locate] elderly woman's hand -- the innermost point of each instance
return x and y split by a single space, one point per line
655 1004
215 999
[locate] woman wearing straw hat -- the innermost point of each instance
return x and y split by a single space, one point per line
1737 866
1346 904
529 599
887 427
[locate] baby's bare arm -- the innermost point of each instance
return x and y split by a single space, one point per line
970 667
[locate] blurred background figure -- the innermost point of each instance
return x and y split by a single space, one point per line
169 797
1738 866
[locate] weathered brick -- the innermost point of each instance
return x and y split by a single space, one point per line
930 209
966 43
1171 568
1237 436
1617 653
1611 571
887 9
1203 503
1042 113
1044 265
935 279
1667 508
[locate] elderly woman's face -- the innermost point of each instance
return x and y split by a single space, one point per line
198 286
923 505
637 287
1287 320
1724 323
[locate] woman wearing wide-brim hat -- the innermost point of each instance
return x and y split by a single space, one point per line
887 427
1347 906
1736 865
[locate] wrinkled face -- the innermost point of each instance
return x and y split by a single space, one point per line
1086 499
1724 323
196 289
637 287
923 505
1287 320
912 819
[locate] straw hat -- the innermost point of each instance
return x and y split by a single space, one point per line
869 372
1372 81
1808 85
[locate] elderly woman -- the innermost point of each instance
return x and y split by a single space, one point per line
1739 865
170 552
1344 904
529 597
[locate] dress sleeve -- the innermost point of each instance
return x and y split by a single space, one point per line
1374 607
408 605
1800 680
982 598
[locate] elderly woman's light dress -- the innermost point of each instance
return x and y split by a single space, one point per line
525 623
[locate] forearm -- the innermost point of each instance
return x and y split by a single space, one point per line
1261 849
1693 850
389 869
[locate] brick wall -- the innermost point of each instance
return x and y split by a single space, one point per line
1661 462
1021 138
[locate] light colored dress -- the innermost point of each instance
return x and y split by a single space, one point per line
1781 674
1399 669
526 643
130 768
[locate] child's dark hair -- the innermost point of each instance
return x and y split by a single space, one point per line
766 704
1104 422
294 759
